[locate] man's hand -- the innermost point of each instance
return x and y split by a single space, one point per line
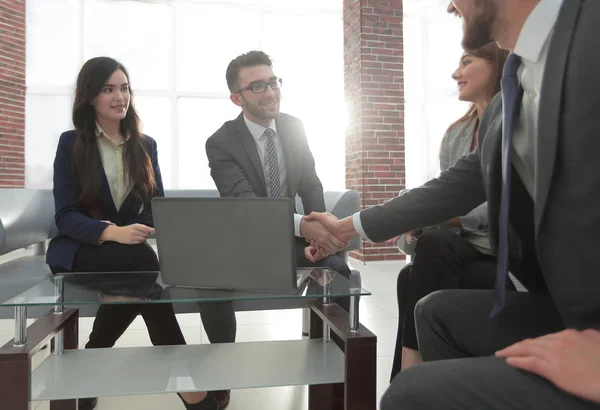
315 253
313 229
341 229
393 241
413 235
570 359
453 223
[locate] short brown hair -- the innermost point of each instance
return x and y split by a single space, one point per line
249 59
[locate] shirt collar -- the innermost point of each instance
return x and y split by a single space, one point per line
100 133
537 29
257 130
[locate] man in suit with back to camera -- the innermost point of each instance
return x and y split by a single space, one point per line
265 153
537 166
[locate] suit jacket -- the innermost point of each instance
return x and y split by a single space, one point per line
558 228
456 144
74 225
237 171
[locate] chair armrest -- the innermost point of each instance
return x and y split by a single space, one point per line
26 218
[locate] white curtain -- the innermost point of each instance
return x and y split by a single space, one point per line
176 52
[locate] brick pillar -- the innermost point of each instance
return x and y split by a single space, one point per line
12 93
374 89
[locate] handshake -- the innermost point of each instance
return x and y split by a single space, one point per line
326 234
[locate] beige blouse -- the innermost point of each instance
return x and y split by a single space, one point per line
113 162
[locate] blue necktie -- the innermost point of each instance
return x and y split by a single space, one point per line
273 163
510 104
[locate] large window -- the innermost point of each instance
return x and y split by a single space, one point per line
431 53
176 52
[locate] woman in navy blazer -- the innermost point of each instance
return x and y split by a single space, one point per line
105 175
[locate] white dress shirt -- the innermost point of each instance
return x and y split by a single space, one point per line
532 47
258 132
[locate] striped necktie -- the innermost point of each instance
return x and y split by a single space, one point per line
273 164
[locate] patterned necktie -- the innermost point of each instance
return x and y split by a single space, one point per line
510 104
273 164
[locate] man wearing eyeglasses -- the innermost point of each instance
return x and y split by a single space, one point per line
264 153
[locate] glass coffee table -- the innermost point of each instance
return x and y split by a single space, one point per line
337 361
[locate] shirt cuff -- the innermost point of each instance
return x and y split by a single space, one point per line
297 220
358 226
471 223
465 224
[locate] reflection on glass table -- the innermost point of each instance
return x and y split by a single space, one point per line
85 288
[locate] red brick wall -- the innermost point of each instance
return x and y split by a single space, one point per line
374 84
12 93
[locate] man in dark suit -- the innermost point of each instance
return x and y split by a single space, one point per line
263 153
548 121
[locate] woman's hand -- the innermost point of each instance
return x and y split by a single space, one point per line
127 235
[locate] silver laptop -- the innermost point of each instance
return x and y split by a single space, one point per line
244 244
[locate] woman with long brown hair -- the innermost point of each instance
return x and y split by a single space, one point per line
455 254
105 175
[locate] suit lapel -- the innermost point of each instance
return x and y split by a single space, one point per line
249 145
550 105
491 159
292 154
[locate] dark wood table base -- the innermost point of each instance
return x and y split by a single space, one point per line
359 391
15 362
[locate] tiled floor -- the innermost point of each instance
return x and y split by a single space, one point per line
377 312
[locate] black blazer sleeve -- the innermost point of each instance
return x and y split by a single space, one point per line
145 217
229 177
69 219
454 192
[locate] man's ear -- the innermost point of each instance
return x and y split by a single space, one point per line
236 99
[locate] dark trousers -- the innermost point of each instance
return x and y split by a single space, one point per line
219 321
457 340
333 262
112 320
443 260
218 318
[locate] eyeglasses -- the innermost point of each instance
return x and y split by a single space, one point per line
260 87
